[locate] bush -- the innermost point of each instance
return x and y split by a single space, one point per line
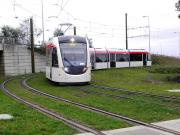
166 70
162 60
39 49
173 78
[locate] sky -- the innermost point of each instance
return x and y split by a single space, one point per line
104 21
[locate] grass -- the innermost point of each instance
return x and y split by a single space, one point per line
139 79
2 79
134 97
145 111
156 79
163 75
92 119
27 121
165 61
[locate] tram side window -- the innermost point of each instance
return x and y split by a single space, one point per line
122 57
92 59
135 57
101 58
48 57
149 57
54 58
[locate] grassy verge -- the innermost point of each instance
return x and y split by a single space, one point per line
163 75
145 111
2 79
165 61
28 121
135 97
85 117
140 79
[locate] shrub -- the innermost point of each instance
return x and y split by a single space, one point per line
173 78
166 70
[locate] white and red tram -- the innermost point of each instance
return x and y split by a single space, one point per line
119 58
99 58
70 60
139 58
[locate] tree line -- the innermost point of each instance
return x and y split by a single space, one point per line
177 5
21 34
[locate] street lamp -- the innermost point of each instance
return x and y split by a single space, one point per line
149 33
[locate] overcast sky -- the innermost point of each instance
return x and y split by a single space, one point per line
104 20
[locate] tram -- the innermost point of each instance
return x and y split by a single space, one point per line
68 60
119 58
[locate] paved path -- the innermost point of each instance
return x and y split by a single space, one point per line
141 130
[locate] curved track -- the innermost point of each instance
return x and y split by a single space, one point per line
130 120
79 127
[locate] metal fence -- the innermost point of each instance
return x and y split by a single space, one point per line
7 40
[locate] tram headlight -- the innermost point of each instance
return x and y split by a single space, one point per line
66 69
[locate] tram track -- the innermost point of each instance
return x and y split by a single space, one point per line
97 110
171 98
127 96
80 127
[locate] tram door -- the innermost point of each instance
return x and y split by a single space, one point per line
51 63
112 60
144 60
92 59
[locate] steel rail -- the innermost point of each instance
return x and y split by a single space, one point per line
25 85
48 112
138 92
126 97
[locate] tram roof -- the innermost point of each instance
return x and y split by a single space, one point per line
70 39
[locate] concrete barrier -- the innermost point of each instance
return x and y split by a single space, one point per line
17 60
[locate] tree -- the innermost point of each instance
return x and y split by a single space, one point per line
58 32
8 31
25 31
21 33
177 5
24 34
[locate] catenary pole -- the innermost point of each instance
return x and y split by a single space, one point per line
126 31
32 45
42 8
75 30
